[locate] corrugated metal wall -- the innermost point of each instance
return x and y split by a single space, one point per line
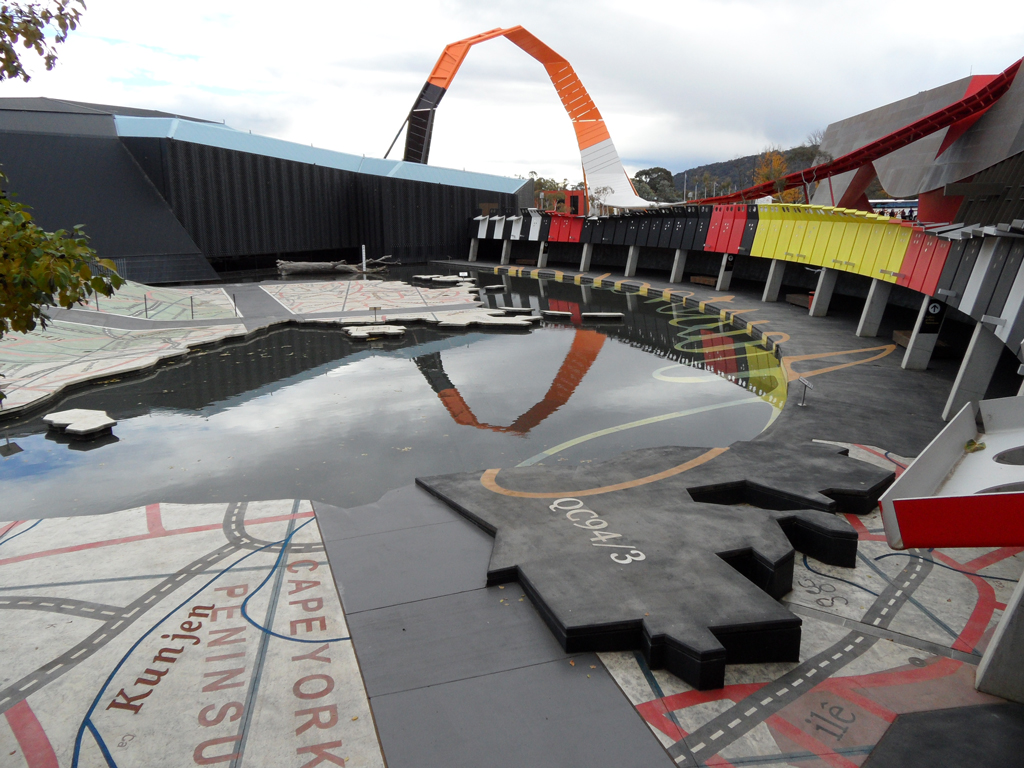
237 204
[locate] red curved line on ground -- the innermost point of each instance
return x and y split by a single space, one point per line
983 609
808 742
145 536
9 526
584 350
35 744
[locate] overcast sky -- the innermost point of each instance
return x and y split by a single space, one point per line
678 83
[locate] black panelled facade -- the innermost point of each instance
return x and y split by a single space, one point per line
169 211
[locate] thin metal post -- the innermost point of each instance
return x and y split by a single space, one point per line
145 305
192 306
234 303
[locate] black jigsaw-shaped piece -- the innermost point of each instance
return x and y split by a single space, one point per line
694 585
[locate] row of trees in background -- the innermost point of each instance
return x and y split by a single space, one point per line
660 185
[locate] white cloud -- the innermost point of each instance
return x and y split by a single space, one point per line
678 83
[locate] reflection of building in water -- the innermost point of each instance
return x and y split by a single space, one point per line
681 335
584 350
216 375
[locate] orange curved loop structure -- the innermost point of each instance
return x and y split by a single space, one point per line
586 118
584 350
601 164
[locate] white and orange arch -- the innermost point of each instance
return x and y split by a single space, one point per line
603 173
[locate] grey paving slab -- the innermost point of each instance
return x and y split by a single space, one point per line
408 564
549 714
450 638
986 736
407 507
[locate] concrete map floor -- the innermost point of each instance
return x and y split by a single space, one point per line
198 625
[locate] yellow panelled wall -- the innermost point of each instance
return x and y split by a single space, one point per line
839 238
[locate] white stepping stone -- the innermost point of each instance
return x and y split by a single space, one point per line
80 422
368 331
603 316
553 315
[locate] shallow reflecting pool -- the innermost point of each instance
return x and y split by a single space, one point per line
303 412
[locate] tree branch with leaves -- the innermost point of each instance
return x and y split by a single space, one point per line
26 25
41 269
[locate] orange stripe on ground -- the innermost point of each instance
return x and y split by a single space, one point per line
488 480
787 362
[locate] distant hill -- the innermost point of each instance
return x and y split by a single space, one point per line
739 173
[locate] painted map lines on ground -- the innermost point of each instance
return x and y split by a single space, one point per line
747 714
280 574
230 548
32 739
236 533
261 652
914 601
936 649
65 605
948 567
144 536
51 670
19 533
115 579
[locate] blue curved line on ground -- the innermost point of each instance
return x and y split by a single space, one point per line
37 522
948 568
251 595
87 721
102 745
836 578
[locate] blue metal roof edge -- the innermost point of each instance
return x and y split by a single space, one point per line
213 135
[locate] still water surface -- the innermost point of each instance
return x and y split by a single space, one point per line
306 413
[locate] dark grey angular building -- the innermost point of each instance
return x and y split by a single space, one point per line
172 198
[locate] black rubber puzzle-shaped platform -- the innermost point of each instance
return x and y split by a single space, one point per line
692 584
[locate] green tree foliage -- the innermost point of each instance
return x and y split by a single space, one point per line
43 269
655 184
26 25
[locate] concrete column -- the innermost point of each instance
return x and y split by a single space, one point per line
633 302
1020 372
474 246
507 282
774 283
585 291
874 308
506 252
678 266
975 372
1000 672
725 272
823 293
926 333
588 251
631 260
542 255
